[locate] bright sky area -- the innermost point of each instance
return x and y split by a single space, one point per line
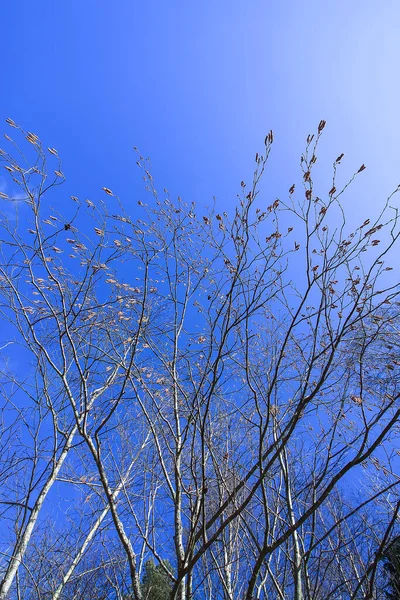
197 85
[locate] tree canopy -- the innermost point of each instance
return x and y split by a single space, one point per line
196 403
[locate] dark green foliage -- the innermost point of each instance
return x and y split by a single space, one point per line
156 585
392 567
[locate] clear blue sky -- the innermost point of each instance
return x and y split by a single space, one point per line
196 85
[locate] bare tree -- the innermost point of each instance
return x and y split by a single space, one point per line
215 383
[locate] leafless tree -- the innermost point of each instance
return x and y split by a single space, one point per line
215 384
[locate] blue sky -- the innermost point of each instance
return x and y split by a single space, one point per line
197 85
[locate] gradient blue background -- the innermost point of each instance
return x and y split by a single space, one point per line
197 85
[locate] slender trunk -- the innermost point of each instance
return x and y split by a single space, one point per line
22 544
89 537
